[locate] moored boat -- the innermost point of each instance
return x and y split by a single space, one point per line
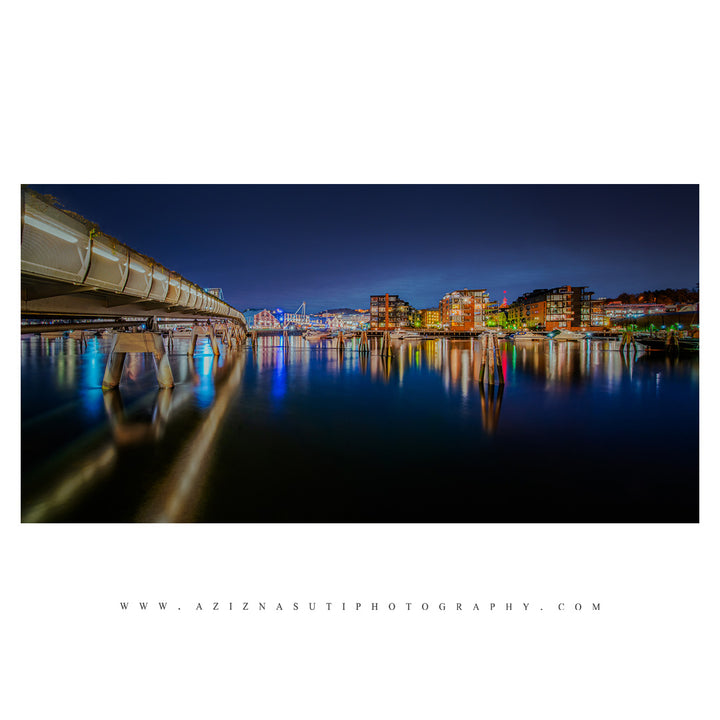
527 335
669 345
568 335
316 335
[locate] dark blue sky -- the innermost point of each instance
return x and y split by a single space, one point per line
335 245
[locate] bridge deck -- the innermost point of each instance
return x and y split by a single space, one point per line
69 268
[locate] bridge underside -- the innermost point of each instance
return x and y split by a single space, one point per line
42 298
70 269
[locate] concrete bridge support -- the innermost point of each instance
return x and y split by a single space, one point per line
142 342
201 331
81 336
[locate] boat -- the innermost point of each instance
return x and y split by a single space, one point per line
182 331
568 335
316 335
526 336
677 345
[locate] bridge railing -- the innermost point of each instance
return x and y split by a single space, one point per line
64 247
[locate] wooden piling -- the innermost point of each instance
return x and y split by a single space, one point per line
491 362
364 345
385 344
483 360
498 360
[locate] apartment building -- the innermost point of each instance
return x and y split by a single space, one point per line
388 312
464 310
567 306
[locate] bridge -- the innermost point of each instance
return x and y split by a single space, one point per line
71 270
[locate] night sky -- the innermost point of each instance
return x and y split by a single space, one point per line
335 245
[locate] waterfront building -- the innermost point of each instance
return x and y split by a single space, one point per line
356 320
265 320
388 312
249 315
464 310
516 314
497 316
430 318
598 318
300 320
567 307
615 310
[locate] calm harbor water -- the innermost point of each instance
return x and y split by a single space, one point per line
297 432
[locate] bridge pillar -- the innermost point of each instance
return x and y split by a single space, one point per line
143 342
201 331
81 336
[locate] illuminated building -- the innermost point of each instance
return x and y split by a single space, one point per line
598 318
620 311
265 319
464 310
561 307
497 316
430 317
388 312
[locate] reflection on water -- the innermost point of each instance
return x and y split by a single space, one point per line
290 430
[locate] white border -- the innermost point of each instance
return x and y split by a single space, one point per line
375 92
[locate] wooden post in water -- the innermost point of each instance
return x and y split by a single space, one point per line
498 360
628 339
340 341
385 345
81 337
491 362
364 345
483 360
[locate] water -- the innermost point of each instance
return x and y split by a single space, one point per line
299 433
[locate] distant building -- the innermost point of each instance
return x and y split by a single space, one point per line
249 315
299 320
430 317
567 307
217 292
497 316
464 309
598 318
620 311
265 320
388 312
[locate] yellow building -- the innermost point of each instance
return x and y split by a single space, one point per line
430 317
